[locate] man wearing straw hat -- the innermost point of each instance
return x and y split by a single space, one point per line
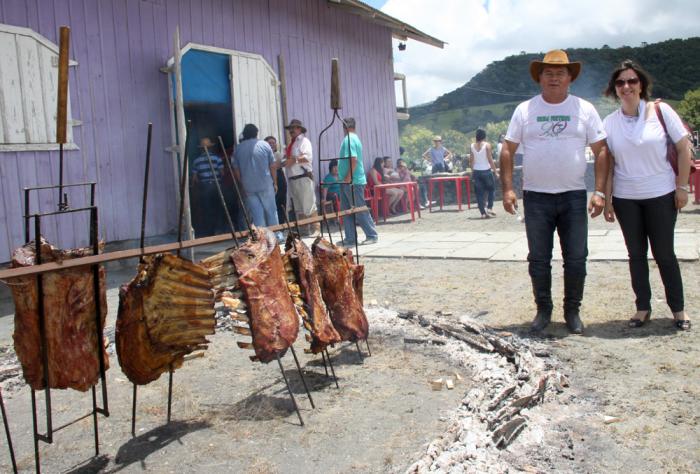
300 178
553 129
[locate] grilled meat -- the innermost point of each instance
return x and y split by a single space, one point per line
69 309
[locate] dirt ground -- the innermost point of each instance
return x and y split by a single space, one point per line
234 416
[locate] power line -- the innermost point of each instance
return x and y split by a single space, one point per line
478 89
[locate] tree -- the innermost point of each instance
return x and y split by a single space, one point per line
689 108
415 140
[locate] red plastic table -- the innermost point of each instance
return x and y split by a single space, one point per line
695 177
440 180
411 188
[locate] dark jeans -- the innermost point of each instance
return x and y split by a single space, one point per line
644 222
484 184
566 213
364 219
439 168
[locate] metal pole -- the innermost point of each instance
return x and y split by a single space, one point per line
238 191
97 298
359 351
42 331
221 197
170 392
133 411
301 374
145 185
328 356
289 390
7 433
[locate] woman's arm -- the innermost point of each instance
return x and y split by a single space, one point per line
489 156
684 163
609 212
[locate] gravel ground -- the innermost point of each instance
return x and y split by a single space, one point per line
233 416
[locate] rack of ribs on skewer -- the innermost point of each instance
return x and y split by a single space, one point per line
69 320
165 312
340 281
306 293
358 275
274 323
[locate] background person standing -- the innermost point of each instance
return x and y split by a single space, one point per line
300 178
351 169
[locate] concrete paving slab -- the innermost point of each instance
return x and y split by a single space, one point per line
461 237
479 250
426 237
685 231
431 253
608 255
597 232
515 252
502 237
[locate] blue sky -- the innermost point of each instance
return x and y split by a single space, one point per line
376 3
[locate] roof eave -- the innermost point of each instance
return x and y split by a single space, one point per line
400 30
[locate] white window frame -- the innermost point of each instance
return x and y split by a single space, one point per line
28 91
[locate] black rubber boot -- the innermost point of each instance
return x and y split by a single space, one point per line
573 294
542 291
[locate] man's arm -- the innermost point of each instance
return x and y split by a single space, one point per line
510 200
448 154
351 170
426 155
602 165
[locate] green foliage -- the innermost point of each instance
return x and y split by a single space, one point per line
415 140
689 108
673 65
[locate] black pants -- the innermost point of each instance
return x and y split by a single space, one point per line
653 221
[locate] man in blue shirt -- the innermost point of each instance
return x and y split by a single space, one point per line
254 167
206 197
351 166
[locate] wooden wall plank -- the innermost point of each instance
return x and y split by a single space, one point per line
12 110
32 94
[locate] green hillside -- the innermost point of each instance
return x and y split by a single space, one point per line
492 94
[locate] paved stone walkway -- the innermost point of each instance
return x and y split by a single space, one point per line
603 245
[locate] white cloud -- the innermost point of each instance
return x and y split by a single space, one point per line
478 37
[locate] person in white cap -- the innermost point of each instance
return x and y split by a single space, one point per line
437 155
553 129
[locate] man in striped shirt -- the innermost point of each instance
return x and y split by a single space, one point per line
203 181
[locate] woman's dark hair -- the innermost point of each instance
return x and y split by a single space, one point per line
480 135
379 164
644 79
399 161
332 164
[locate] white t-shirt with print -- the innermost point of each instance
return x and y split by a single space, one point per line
553 138
641 168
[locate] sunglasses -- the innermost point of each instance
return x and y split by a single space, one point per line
621 82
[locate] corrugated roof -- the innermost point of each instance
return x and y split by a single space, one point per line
400 30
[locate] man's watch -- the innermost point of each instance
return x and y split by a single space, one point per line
684 187
600 194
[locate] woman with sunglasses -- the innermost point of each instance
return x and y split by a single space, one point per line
642 190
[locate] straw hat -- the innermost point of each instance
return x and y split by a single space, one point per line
296 123
556 57
437 138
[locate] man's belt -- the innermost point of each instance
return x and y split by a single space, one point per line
305 174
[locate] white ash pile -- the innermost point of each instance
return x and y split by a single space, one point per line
511 377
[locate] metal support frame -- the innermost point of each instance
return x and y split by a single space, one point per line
336 107
47 437
7 433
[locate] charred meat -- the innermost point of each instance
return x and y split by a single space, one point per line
69 322
165 312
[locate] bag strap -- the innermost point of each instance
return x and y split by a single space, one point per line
660 115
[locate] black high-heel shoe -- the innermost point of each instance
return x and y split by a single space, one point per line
639 322
682 324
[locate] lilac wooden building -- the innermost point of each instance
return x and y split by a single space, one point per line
125 72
